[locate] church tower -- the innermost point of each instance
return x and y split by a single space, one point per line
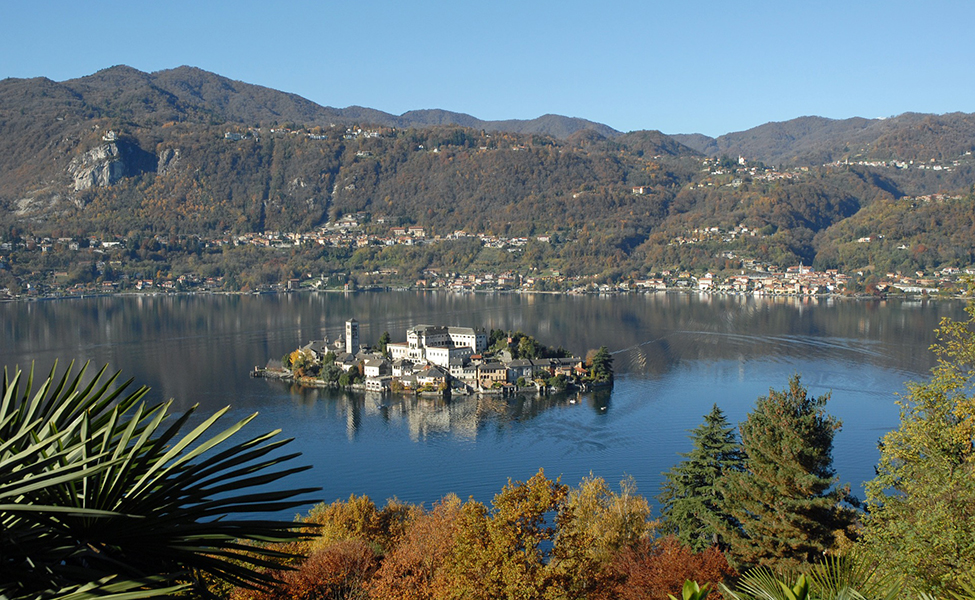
352 336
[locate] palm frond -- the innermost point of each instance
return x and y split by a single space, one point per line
101 496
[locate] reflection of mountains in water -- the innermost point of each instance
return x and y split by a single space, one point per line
200 348
461 417
661 354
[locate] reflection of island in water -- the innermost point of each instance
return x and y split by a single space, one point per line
199 349
461 417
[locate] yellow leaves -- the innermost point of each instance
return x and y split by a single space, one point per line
595 522
921 529
963 432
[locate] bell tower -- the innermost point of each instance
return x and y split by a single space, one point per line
352 336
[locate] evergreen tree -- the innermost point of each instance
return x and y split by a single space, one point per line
691 502
920 523
384 341
785 501
602 365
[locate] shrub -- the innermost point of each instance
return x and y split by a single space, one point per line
655 569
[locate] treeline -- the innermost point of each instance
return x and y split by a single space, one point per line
537 539
768 500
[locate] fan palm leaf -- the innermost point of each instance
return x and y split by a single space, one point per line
100 494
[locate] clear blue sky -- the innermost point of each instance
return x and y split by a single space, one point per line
678 67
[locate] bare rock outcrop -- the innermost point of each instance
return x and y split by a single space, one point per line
101 166
168 161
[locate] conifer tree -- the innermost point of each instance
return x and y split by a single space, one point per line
602 364
691 502
786 503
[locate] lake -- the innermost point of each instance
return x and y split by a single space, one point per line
675 355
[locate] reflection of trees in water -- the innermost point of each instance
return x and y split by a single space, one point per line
201 348
892 335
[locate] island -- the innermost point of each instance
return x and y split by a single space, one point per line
442 360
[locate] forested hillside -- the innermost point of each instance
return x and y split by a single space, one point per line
817 140
172 168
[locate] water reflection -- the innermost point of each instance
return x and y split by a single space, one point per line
675 355
460 417
197 349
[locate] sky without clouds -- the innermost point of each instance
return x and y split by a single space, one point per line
680 67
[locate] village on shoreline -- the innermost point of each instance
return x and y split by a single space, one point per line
795 281
441 361
106 258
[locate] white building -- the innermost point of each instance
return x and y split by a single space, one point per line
438 344
352 337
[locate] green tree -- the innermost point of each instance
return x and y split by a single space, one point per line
920 522
785 503
528 347
691 503
384 340
99 496
602 365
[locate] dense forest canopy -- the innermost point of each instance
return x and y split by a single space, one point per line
170 163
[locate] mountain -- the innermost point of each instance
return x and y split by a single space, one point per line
655 143
184 155
189 93
818 140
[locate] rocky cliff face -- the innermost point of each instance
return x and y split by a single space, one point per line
101 166
168 161
106 164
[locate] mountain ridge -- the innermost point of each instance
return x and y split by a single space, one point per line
184 152
812 140
192 93
234 100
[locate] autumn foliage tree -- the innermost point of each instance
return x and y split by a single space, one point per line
413 569
594 525
538 539
921 523
338 571
500 552
654 569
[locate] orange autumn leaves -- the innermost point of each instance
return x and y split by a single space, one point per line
537 539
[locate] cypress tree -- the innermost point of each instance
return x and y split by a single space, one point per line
692 505
786 502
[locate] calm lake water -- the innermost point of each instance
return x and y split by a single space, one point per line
675 355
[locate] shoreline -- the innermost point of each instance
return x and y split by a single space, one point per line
390 289
311 383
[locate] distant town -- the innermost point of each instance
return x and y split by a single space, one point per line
441 360
105 259
753 277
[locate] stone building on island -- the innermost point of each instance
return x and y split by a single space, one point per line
439 345
439 357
